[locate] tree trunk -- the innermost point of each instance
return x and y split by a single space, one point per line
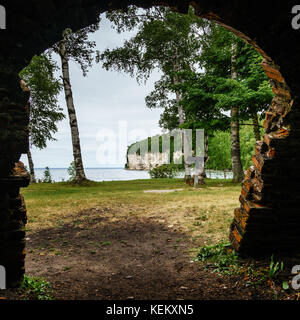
180 109
202 173
237 169
31 167
187 167
256 127
80 175
181 116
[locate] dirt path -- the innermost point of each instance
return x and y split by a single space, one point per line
132 258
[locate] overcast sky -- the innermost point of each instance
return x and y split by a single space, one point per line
111 113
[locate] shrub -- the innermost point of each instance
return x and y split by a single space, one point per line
164 171
72 171
47 176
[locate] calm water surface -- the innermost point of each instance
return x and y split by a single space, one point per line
115 174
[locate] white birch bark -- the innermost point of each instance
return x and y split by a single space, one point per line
80 175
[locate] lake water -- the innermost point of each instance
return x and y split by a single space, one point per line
96 174
115 174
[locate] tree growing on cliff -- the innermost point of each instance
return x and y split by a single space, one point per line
165 41
76 46
45 112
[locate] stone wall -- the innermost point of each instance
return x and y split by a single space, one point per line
268 219
12 224
14 120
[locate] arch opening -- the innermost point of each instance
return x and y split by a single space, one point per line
267 220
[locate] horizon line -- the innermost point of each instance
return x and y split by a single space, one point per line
84 168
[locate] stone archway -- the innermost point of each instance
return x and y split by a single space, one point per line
267 220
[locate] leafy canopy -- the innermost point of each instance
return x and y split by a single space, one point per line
166 41
44 87
79 48
208 95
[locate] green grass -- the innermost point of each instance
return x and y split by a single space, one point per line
62 189
59 194
206 210
201 215
225 259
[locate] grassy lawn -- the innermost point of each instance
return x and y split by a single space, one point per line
113 240
204 213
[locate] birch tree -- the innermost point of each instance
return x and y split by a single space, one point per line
45 112
165 41
77 47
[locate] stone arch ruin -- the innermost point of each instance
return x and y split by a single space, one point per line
268 219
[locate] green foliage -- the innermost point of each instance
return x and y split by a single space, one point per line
162 36
105 243
44 87
200 103
164 171
36 288
79 48
224 258
274 268
165 40
247 145
268 274
197 59
219 151
208 94
76 46
219 148
47 176
72 171
285 285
